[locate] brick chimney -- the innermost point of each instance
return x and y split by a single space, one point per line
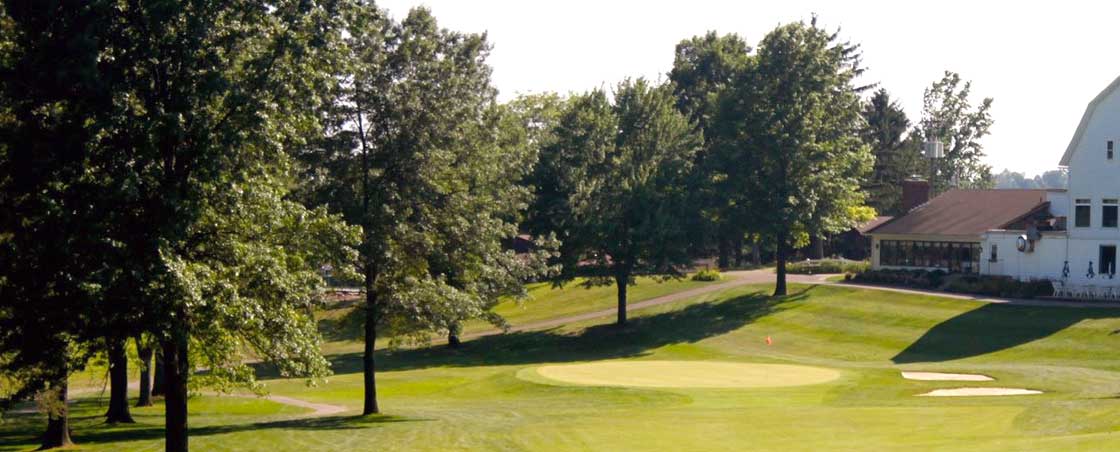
915 192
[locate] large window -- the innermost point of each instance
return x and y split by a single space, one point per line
1081 213
960 257
1108 213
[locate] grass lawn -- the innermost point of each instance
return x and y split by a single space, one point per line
486 397
342 326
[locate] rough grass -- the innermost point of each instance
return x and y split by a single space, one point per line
472 399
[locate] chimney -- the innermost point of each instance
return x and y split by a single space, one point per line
915 192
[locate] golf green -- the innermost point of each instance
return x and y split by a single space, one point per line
685 374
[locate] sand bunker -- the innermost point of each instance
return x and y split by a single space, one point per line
974 392
939 376
685 374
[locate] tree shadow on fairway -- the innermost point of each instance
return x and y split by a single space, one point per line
140 432
992 328
641 334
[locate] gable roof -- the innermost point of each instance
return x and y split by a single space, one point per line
966 212
866 227
1076 140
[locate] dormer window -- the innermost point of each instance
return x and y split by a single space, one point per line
1109 148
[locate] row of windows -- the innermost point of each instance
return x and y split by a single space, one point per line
960 257
1082 213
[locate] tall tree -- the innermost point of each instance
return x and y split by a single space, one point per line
417 154
896 157
800 118
51 236
705 67
205 100
949 116
627 165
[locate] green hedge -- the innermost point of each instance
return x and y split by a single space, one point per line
920 279
827 266
992 286
999 286
706 275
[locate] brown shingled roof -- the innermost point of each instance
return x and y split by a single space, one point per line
863 228
965 212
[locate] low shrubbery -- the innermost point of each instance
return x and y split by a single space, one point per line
920 279
706 275
827 266
999 286
993 286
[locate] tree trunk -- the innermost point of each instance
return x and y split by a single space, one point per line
176 371
453 332
724 253
369 366
144 351
118 384
780 284
58 420
157 376
756 252
816 248
738 252
622 280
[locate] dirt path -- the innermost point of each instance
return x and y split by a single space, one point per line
318 409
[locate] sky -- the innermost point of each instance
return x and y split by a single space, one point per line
1041 62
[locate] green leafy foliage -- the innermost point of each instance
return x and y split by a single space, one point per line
624 167
706 275
798 121
827 266
949 116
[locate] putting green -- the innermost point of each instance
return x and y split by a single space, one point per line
685 374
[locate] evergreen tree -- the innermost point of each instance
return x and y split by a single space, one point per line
896 156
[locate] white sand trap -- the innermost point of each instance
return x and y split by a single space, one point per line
974 392
686 374
939 376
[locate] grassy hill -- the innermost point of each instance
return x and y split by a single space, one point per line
482 397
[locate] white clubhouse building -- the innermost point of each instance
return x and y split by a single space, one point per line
1066 236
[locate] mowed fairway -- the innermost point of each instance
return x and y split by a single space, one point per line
489 395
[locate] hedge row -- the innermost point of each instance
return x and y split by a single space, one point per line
827 266
993 286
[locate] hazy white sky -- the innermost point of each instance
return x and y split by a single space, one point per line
1041 61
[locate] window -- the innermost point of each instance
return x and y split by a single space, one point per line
1109 148
950 256
1081 213
1107 260
1108 213
995 253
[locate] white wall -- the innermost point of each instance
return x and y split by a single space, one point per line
1093 176
1045 262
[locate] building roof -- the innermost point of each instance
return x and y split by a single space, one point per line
965 212
1089 110
864 228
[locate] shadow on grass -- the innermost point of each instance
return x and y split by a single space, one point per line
141 432
641 334
992 328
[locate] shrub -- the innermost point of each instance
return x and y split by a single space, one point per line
1000 286
706 275
920 279
827 266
